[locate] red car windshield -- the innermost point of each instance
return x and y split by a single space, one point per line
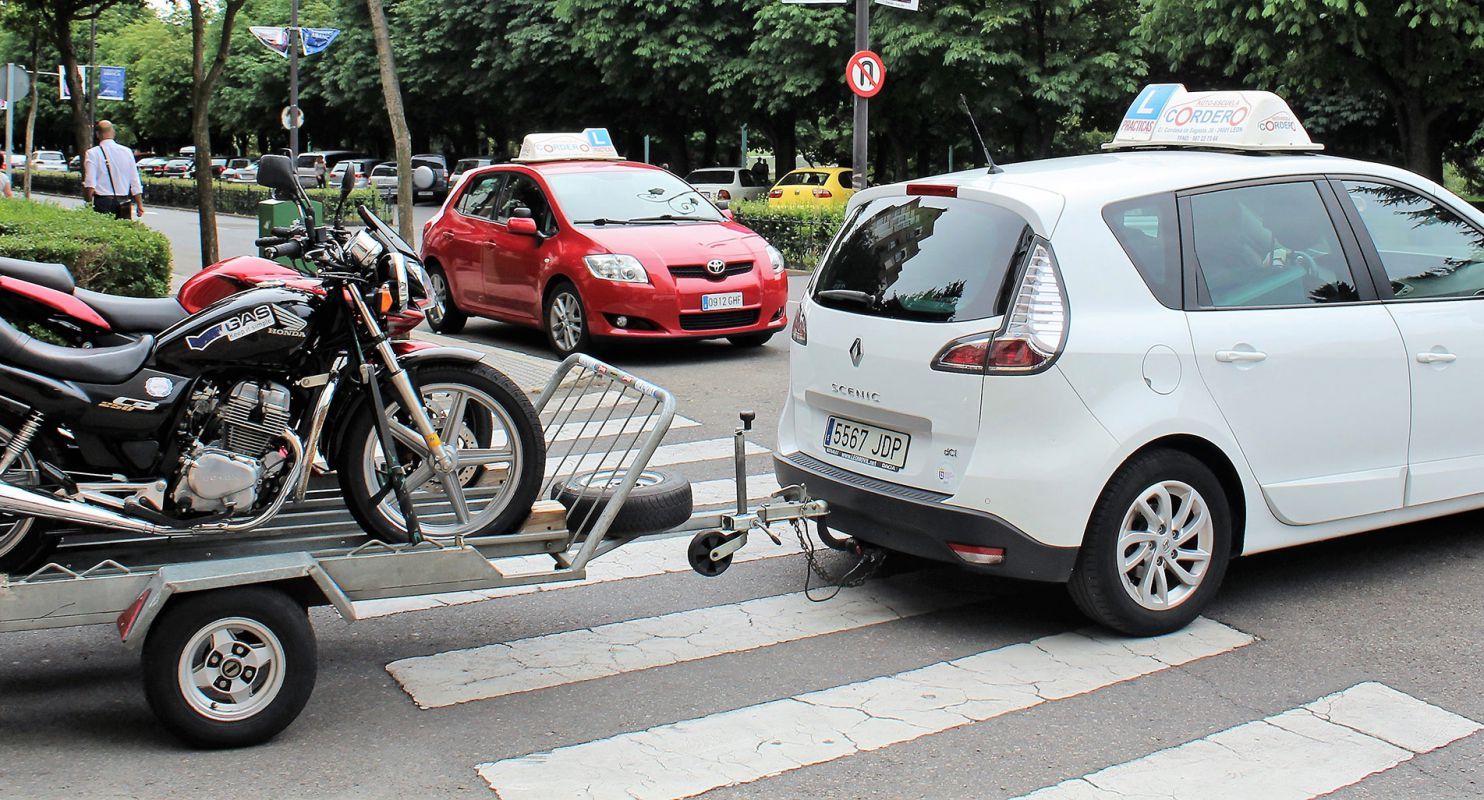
628 195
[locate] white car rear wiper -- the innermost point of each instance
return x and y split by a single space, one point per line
870 301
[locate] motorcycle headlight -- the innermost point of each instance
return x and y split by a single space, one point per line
397 282
776 259
611 267
421 290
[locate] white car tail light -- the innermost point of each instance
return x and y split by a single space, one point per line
1034 332
800 331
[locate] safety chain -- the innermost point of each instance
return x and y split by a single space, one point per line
869 562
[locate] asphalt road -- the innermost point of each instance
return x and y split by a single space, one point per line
751 670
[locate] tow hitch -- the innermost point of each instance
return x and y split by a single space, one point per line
711 551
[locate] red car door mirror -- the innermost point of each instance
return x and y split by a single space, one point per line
524 226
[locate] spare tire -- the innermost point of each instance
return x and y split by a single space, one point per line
659 501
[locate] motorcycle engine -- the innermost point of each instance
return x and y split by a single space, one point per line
225 472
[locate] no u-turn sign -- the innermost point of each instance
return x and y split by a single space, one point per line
866 73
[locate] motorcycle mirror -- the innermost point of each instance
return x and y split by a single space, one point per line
347 181
277 173
423 178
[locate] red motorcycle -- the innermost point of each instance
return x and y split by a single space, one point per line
46 295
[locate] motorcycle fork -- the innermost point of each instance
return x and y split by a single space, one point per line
411 401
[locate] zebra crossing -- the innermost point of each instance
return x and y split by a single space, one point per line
1308 751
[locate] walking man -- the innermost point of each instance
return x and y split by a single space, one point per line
110 176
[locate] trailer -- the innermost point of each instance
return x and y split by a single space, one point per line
221 624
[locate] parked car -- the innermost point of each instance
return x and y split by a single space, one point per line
384 177
241 170
362 169
589 247
727 184
74 164
306 169
1122 370
153 166
218 167
48 161
439 165
463 165
179 168
823 186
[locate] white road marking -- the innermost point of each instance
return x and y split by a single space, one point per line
1305 752
665 456
737 747
618 426
713 493
640 559
541 662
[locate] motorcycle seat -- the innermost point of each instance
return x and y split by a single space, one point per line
105 365
52 276
134 314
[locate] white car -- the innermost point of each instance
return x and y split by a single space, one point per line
48 161
1121 370
727 183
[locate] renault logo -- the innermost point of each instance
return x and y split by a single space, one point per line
856 353
716 266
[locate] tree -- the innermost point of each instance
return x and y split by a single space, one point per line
204 81
1421 56
392 90
57 17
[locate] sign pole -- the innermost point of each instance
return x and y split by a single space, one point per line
294 77
858 150
9 118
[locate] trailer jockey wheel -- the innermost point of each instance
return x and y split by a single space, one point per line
700 554
230 667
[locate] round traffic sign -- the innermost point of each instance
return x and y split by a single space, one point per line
291 118
866 73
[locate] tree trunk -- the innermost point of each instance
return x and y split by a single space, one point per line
204 82
391 90
61 34
31 111
1420 146
784 136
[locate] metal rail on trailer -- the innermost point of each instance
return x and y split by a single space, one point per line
597 420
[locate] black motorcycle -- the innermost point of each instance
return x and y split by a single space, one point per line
211 426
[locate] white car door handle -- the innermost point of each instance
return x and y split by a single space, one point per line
1234 356
1436 358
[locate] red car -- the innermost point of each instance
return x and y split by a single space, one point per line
601 249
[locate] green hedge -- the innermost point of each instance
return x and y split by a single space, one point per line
105 254
801 233
231 198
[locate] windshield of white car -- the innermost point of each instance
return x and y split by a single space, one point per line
629 195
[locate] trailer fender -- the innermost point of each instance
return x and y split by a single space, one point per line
290 569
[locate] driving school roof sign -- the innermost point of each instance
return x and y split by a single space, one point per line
593 144
1166 115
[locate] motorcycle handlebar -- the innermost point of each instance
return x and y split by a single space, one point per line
290 249
269 241
282 233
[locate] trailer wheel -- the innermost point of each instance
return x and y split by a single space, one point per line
229 668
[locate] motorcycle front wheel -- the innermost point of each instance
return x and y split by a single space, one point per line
495 438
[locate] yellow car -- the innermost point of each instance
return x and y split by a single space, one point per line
823 186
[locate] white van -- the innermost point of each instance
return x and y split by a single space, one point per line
1121 370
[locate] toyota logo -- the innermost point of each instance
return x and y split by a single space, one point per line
716 266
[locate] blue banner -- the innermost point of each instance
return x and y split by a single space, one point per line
317 40
110 83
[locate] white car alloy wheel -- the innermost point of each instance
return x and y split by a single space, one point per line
1164 545
231 669
565 321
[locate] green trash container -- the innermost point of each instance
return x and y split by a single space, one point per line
283 214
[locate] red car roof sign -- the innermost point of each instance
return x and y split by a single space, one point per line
593 144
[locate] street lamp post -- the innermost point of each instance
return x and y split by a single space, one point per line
294 78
